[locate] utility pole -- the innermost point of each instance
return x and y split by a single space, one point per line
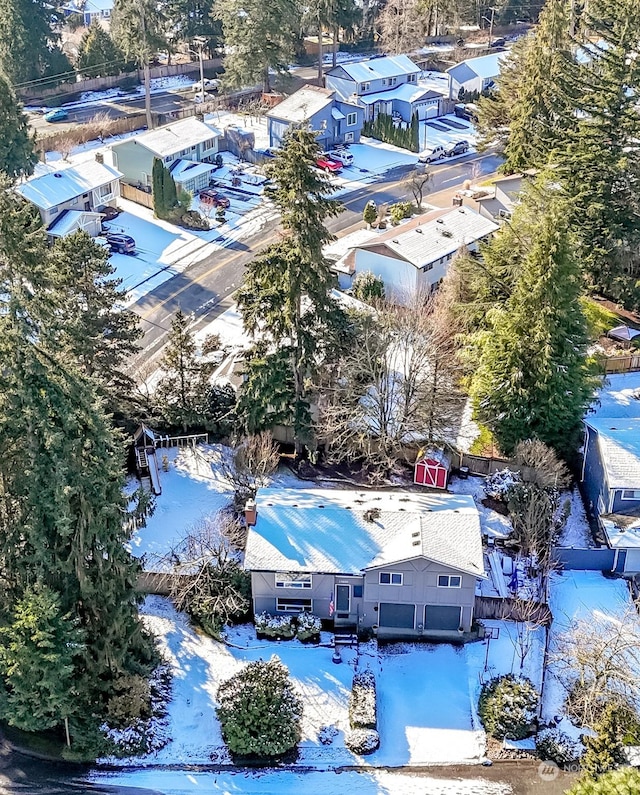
493 11
200 44
145 67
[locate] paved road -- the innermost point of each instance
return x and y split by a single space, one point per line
202 289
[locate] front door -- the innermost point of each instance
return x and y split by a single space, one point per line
343 602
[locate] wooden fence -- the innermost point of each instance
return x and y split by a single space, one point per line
90 131
485 465
621 364
136 195
490 607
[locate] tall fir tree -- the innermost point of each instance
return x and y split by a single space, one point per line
97 54
532 379
39 651
158 174
17 153
285 298
258 37
96 329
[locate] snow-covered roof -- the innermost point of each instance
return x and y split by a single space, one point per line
183 170
407 92
619 397
175 137
326 531
98 6
70 221
623 532
302 105
375 68
59 186
427 238
619 445
486 66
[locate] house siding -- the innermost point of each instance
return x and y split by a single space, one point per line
623 506
135 161
89 201
399 277
594 476
329 131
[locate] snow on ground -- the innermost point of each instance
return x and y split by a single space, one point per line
576 596
619 397
244 121
493 524
288 782
228 326
193 489
427 693
576 532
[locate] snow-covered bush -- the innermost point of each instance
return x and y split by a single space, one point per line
275 626
308 626
259 711
507 707
362 703
497 486
556 746
362 741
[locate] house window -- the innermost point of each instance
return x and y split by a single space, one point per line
449 581
364 87
105 190
293 605
348 137
390 578
352 119
411 79
53 211
357 592
168 159
293 580
428 267
631 494
73 202
393 81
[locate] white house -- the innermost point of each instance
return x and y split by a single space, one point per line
414 258
71 198
475 74
498 204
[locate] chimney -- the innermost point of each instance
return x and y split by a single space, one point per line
99 157
250 512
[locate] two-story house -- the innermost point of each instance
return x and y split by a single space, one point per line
388 84
319 109
402 563
187 148
475 74
71 198
413 259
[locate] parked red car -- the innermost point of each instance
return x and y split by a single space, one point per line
213 198
328 165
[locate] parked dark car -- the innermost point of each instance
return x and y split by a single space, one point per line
498 43
213 198
109 213
123 244
458 148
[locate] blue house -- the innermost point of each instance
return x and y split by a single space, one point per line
387 84
319 109
611 477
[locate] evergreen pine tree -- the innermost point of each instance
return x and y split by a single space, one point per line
96 329
17 155
532 379
170 195
605 750
39 651
158 173
97 53
370 213
28 42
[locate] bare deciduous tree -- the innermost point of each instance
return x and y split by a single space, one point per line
403 26
418 182
254 460
398 387
544 467
598 662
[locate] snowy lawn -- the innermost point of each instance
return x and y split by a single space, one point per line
427 694
493 524
290 782
576 596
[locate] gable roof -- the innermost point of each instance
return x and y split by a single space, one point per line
71 221
408 92
174 137
485 66
619 446
63 184
326 531
376 68
302 105
434 235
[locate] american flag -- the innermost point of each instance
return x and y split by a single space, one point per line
331 608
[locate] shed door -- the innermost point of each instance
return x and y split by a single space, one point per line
442 617
431 474
398 616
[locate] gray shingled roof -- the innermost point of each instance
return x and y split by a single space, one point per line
303 105
326 531
619 445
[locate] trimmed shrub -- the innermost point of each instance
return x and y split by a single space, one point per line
498 485
399 211
275 626
192 219
308 627
367 287
620 782
259 711
362 703
507 707
362 741
556 746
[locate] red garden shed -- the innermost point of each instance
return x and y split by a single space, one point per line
432 469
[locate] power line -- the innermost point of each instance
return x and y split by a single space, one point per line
42 81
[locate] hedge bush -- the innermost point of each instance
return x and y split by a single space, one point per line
362 702
507 707
275 626
362 741
259 711
556 746
308 626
